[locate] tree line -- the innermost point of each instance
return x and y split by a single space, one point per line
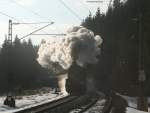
118 63
119 27
19 69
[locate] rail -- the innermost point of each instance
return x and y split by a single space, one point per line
65 105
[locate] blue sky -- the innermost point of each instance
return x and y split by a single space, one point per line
44 10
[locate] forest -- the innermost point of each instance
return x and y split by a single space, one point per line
120 29
19 69
118 63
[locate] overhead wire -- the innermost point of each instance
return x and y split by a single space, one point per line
13 18
84 5
36 31
61 1
33 12
104 2
31 23
72 11
4 14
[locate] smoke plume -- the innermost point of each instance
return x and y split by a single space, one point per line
79 45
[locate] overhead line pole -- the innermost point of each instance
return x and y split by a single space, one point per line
142 99
10 32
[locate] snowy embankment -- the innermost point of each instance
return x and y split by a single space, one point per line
29 101
132 110
132 103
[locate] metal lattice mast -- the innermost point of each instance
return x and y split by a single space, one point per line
10 31
142 99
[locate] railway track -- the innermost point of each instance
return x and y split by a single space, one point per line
64 105
85 103
115 104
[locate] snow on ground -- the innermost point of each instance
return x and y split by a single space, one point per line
132 110
29 101
97 108
37 99
132 103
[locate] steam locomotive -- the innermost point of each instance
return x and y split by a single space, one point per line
76 82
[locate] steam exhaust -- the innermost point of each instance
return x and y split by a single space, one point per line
61 79
80 45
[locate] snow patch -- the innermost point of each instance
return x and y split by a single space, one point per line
131 110
29 101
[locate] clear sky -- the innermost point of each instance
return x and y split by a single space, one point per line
44 11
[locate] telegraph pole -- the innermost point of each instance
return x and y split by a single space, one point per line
142 100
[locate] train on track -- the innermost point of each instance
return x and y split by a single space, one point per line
78 81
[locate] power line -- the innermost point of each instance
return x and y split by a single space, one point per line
16 23
67 7
100 1
28 24
4 14
35 13
85 6
51 34
36 30
31 11
95 1
104 2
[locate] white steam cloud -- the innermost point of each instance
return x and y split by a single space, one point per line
79 45
58 54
